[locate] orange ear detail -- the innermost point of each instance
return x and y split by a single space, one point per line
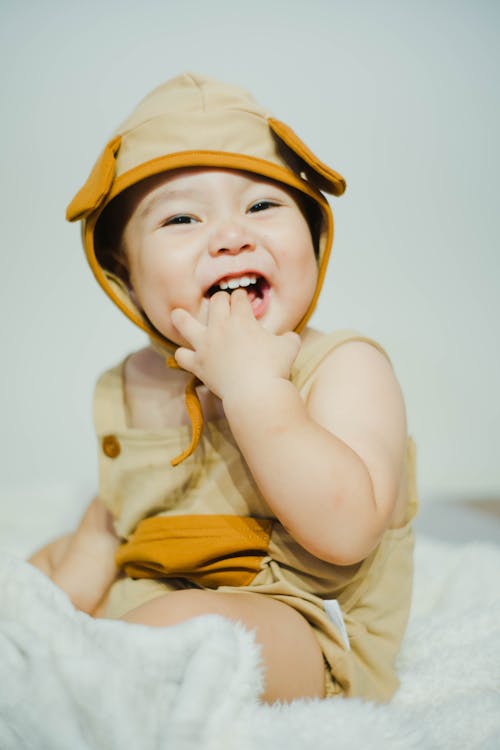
323 176
98 184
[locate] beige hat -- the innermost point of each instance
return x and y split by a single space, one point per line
194 121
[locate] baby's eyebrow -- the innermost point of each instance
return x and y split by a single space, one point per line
168 194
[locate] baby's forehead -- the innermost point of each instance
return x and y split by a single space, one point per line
205 177
197 183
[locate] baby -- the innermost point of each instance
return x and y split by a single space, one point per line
250 466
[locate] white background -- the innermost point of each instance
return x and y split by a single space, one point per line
401 97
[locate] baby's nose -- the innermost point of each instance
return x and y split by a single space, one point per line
230 237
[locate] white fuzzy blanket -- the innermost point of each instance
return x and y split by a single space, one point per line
73 683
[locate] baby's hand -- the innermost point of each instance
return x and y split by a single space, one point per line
233 351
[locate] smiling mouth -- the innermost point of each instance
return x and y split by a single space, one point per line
255 286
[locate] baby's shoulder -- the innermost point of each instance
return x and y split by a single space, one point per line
354 360
342 352
354 387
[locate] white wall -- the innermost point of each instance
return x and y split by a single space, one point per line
402 97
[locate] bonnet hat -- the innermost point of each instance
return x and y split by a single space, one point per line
195 121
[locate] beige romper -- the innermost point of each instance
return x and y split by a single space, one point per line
358 613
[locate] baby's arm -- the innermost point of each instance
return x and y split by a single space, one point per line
329 468
333 465
83 564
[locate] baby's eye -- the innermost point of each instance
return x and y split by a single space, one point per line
179 219
261 206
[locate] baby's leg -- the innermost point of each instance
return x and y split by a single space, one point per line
83 564
293 661
48 557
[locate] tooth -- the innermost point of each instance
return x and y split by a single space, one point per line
235 282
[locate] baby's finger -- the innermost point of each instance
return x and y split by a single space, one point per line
186 359
240 304
218 307
189 328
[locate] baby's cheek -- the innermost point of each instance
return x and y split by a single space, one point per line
307 281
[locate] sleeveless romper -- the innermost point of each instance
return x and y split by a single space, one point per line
205 524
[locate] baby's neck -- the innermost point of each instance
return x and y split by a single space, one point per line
154 393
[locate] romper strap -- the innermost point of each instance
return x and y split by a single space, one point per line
109 404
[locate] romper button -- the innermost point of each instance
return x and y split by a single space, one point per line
111 446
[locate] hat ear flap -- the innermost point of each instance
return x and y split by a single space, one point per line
98 184
320 174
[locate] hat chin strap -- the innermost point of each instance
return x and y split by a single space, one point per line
191 399
194 410
193 406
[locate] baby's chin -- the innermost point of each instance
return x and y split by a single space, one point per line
174 337
278 325
163 331
272 323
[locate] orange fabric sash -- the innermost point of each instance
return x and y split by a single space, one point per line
209 550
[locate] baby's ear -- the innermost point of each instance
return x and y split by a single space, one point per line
98 184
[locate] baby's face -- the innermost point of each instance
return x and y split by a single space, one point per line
196 231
